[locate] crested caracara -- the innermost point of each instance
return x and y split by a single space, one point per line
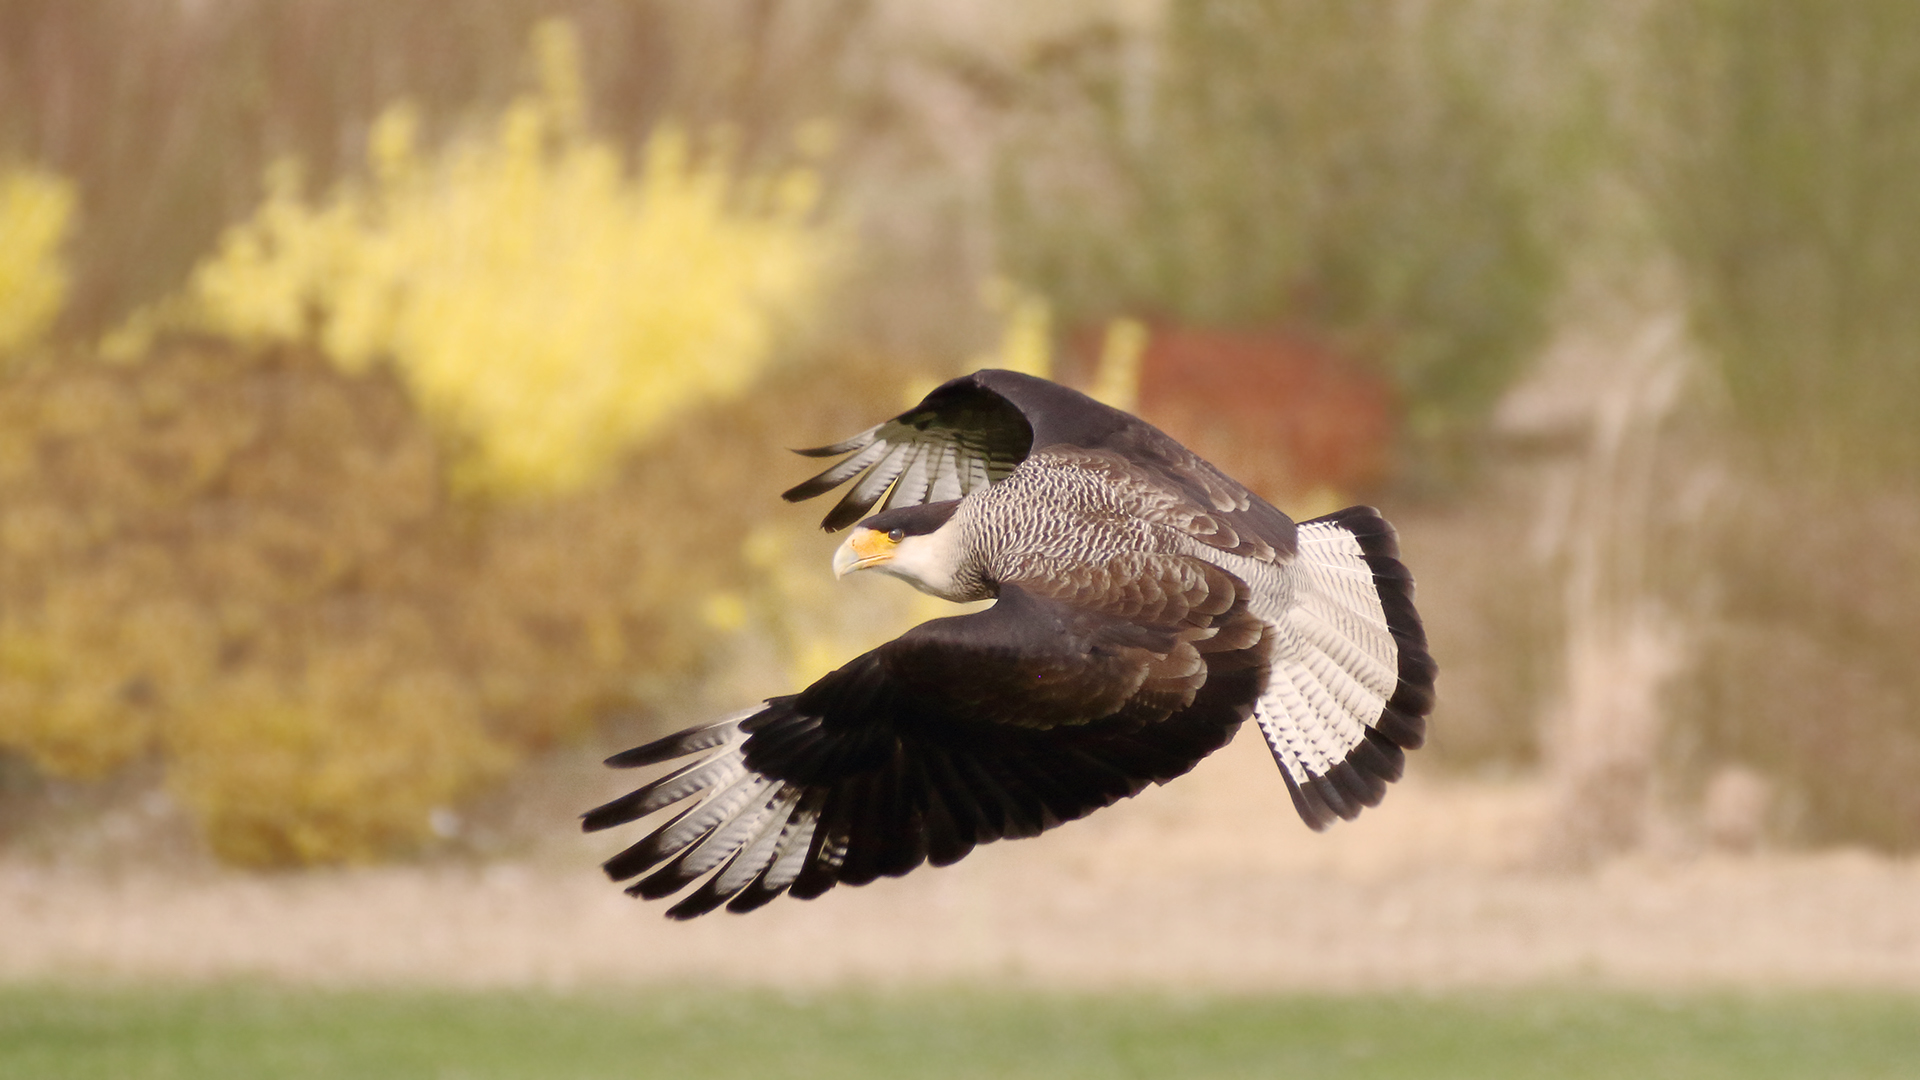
1145 605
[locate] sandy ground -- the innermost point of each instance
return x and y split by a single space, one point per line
1209 882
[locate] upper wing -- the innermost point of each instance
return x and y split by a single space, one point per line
974 430
960 437
998 724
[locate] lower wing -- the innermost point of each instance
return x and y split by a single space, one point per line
995 725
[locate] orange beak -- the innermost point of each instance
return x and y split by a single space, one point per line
862 548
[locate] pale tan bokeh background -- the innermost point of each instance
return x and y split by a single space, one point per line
1209 883
1677 725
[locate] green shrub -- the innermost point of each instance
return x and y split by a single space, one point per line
1783 179
1341 169
1782 174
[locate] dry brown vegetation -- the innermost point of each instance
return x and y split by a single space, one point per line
246 563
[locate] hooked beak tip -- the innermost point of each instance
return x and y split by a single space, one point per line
845 560
858 552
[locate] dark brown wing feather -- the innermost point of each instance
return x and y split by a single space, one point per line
988 726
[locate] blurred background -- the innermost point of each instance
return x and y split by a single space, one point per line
393 395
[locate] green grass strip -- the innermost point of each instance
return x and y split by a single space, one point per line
67 1033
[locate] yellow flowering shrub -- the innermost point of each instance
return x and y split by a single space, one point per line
236 555
229 559
547 306
347 762
36 211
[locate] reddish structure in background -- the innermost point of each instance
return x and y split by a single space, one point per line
1284 414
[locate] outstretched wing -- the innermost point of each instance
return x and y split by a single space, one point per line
974 430
960 437
989 726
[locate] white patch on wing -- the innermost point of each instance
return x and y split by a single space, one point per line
1335 664
757 836
790 857
947 482
915 480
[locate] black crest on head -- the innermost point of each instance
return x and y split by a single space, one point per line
913 520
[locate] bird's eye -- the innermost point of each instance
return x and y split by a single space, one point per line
896 535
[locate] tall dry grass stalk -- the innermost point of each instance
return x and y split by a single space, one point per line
1605 737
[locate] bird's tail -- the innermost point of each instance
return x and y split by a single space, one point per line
1351 681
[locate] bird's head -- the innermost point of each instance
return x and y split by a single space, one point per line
918 544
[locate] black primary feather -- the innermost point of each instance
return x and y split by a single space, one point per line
886 764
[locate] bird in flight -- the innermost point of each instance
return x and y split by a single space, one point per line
1145 605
